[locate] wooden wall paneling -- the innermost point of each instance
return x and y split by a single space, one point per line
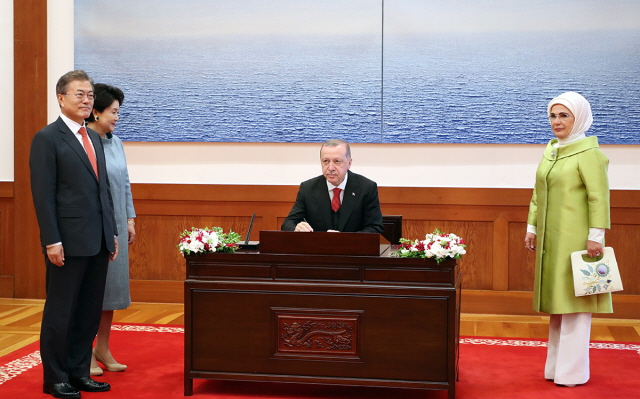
30 115
6 237
500 263
286 194
497 302
7 243
155 256
521 261
270 221
624 307
521 303
625 239
214 192
621 215
188 207
267 212
626 199
484 213
7 286
6 189
157 291
494 233
455 196
476 266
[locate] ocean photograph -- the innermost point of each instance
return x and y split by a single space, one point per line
494 88
403 71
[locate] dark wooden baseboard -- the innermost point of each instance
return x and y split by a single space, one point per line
157 291
6 286
521 303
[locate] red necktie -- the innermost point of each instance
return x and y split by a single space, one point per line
335 202
89 149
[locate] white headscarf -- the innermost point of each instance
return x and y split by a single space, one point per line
581 110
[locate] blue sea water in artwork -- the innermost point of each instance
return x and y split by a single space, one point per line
495 87
256 90
454 88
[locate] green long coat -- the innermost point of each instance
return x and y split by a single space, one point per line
571 195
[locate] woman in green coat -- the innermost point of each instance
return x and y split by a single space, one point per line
569 212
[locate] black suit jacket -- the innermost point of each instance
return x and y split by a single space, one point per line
359 212
72 205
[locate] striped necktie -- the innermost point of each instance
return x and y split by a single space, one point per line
335 202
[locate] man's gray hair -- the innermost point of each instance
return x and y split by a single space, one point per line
335 143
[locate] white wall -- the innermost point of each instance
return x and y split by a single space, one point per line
413 165
6 90
420 165
60 43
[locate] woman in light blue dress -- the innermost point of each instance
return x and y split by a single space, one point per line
103 119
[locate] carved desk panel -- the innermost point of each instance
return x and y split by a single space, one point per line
330 319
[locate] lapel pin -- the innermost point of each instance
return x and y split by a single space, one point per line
354 194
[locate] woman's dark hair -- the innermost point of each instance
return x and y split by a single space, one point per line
105 95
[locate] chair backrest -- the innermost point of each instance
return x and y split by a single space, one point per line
392 225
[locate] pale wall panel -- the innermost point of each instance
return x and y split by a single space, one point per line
6 88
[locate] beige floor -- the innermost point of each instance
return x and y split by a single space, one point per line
20 323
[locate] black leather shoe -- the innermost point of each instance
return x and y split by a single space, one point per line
88 385
61 390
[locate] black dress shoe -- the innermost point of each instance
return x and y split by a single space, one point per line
61 390
88 385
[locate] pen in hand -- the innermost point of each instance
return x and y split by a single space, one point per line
304 227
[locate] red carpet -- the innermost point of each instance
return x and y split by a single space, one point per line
489 368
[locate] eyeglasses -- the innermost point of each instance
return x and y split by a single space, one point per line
563 116
81 95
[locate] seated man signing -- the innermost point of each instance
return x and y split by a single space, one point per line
338 200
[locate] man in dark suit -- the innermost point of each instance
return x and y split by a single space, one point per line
338 200
71 196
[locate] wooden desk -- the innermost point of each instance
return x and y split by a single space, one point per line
322 319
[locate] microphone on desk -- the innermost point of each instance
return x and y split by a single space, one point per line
253 218
250 244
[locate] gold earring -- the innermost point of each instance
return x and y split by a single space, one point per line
97 118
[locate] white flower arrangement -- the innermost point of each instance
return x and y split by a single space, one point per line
436 245
198 241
